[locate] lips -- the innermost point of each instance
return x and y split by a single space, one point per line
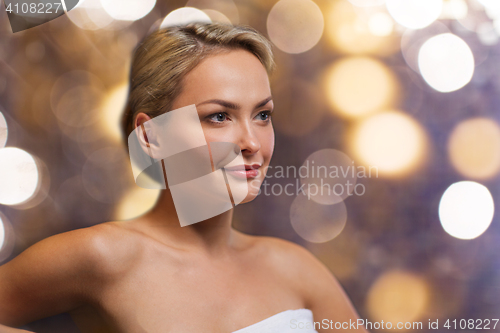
243 171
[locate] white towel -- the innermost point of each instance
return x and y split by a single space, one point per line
289 321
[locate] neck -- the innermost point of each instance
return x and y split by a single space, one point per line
213 236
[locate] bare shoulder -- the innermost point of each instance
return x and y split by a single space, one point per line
108 247
62 272
289 255
320 289
101 249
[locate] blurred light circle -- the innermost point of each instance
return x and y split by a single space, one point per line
414 14
75 99
317 223
350 78
397 296
487 33
454 10
7 238
381 24
42 189
392 142
18 176
112 108
367 3
466 209
90 15
446 62
489 3
219 9
412 41
216 16
79 106
136 202
476 15
4 131
348 30
493 12
128 10
474 148
2 233
295 26
184 16
328 176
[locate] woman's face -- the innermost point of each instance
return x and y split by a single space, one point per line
233 98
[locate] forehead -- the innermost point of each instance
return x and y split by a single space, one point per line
235 75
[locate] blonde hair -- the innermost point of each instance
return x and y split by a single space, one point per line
163 58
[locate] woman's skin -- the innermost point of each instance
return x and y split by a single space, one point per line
152 275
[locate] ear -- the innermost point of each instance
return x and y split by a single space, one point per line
146 138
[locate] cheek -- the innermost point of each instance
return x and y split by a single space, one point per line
217 134
267 143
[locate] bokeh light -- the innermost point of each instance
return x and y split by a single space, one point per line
4 131
367 3
412 41
466 209
487 33
90 15
380 24
216 16
414 14
328 176
217 9
476 15
75 99
348 79
42 189
295 26
317 223
136 202
398 296
392 142
128 10
354 30
2 233
454 9
18 176
183 16
79 106
112 109
7 239
474 148
446 62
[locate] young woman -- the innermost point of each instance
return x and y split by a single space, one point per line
152 275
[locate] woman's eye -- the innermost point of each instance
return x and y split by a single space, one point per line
218 117
264 115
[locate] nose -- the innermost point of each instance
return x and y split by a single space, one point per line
247 139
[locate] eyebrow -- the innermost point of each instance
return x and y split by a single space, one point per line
234 106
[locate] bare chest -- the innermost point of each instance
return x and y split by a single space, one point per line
197 297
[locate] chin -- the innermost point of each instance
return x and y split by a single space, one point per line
248 198
253 192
